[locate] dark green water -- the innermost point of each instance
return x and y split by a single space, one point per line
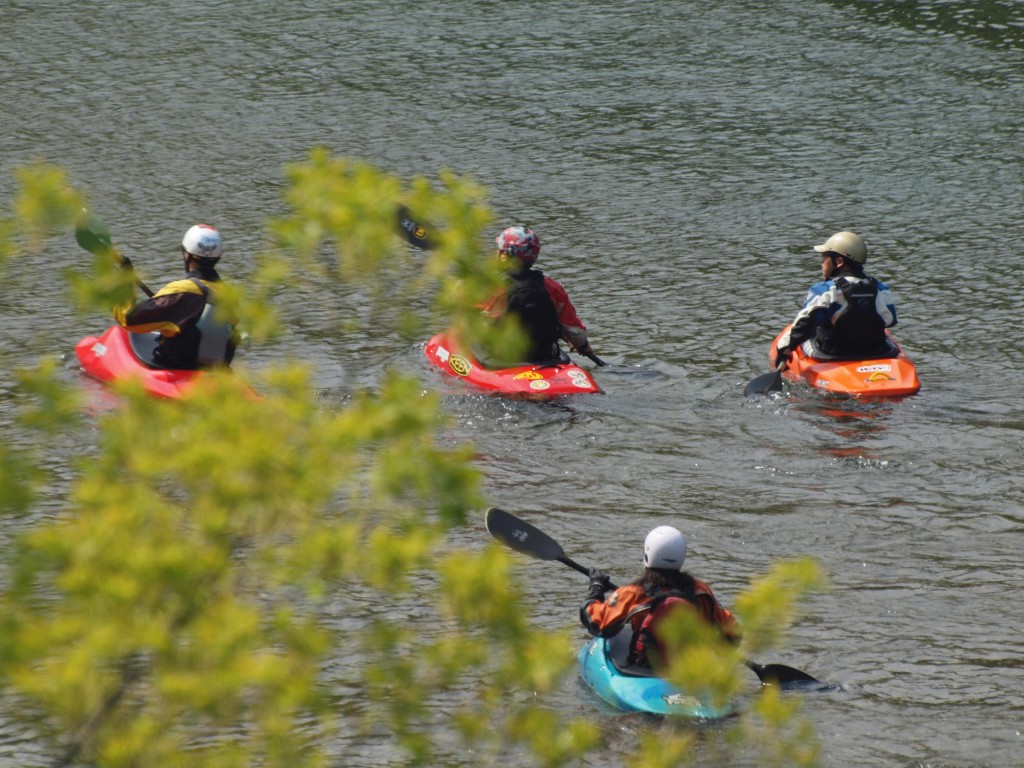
679 160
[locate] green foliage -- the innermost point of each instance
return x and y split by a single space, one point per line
786 739
700 662
7 247
217 587
769 606
18 476
47 205
53 407
105 285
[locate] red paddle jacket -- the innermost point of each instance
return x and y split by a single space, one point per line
632 603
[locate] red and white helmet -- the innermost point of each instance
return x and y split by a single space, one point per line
521 243
202 241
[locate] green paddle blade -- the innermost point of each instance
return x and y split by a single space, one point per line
92 234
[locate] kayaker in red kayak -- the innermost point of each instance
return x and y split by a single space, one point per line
192 334
540 303
662 588
846 314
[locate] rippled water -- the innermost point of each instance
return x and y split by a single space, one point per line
678 161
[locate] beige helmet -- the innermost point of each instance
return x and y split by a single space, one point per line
845 244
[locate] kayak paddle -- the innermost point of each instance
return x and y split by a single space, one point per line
766 382
597 360
524 538
92 235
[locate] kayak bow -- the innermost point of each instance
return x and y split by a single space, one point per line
119 355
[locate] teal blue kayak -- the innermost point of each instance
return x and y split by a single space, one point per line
637 690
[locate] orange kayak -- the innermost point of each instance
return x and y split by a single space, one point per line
875 377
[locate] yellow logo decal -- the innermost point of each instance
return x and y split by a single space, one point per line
460 365
529 375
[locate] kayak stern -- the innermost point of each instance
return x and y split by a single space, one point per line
639 692
875 377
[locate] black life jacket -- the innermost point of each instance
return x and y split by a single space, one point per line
860 329
528 300
645 638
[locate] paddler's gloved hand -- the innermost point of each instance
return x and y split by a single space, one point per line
599 584
782 354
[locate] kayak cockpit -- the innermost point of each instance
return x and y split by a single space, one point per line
143 346
618 647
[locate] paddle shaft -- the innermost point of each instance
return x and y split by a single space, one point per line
142 286
522 537
565 560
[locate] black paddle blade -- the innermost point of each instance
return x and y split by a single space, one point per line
765 383
788 678
414 233
521 536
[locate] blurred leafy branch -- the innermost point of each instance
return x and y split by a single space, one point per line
234 581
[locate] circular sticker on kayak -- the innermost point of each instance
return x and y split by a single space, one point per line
541 384
579 379
529 375
460 365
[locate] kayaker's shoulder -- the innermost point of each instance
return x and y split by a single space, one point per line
179 286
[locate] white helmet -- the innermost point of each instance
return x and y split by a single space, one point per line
665 547
202 241
848 244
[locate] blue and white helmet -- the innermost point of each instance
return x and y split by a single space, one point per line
202 241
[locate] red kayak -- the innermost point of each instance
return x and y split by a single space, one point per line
875 377
117 355
535 380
